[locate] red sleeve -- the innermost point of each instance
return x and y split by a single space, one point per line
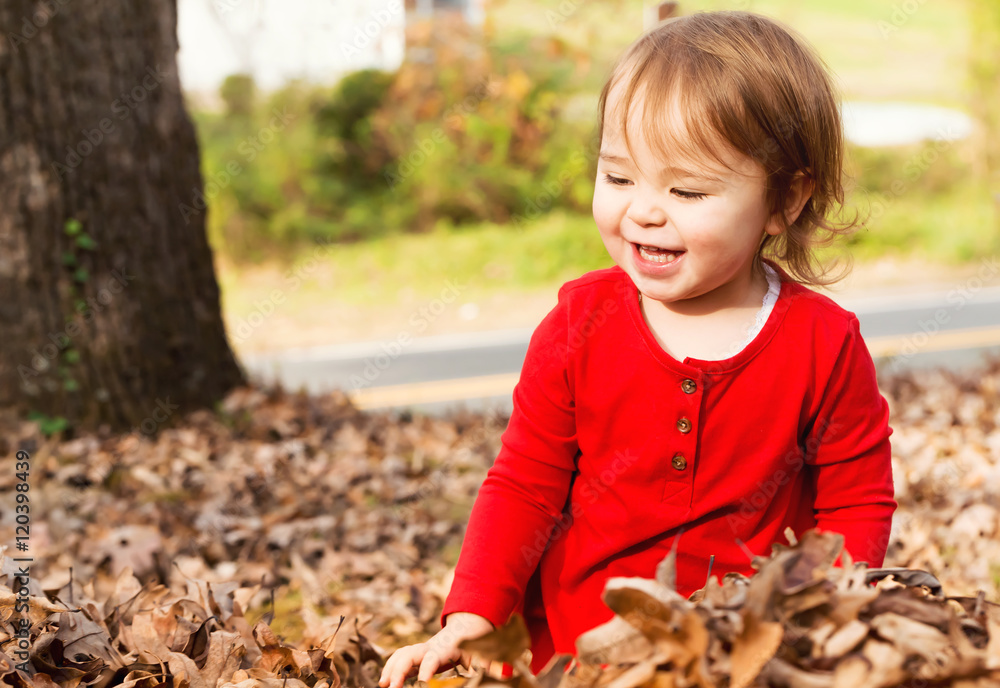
525 491
849 455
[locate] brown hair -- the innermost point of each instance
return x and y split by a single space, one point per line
742 81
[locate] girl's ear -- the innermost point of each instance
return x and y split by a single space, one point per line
799 192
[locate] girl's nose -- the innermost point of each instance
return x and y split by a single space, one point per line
646 209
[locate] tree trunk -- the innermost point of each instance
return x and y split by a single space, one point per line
109 306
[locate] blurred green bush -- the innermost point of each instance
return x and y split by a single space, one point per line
927 199
237 93
474 131
462 141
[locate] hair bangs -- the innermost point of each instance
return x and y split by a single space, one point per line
679 123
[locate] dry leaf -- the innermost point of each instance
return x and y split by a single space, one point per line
845 639
613 642
753 649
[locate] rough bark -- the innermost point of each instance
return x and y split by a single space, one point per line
109 305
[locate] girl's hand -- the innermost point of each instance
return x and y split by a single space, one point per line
438 653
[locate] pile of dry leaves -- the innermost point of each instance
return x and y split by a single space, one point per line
946 468
797 622
309 510
147 636
340 512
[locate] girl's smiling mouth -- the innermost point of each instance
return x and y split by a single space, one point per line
655 261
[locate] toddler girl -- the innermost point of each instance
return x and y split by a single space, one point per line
697 387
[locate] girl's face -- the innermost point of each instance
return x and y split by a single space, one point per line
686 231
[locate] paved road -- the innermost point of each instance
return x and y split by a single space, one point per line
955 329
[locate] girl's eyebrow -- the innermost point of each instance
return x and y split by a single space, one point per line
614 158
675 171
688 174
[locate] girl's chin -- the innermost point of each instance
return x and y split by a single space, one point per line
660 290
659 296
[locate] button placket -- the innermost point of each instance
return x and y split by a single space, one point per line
689 404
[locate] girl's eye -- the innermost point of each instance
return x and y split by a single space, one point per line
616 181
688 194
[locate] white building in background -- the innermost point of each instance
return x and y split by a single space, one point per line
279 40
321 40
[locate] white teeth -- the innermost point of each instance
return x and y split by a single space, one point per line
657 257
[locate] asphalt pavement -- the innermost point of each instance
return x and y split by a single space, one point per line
956 329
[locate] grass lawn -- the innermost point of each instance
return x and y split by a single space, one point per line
489 278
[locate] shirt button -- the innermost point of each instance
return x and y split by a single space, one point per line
679 462
684 425
689 386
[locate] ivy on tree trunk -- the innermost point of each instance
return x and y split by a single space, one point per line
109 304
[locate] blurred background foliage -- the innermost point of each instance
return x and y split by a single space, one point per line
468 137
481 145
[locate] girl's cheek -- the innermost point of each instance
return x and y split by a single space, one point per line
600 205
605 217
607 201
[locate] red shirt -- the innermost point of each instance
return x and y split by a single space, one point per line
614 448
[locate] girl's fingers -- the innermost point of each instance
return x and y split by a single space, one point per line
402 662
429 665
386 676
423 659
389 670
